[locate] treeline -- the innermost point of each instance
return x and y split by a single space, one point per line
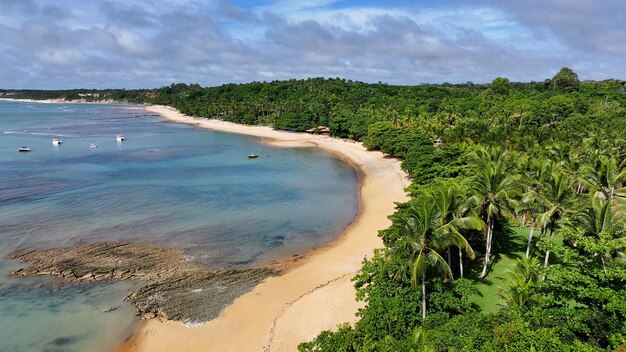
490 164
92 95
544 160
399 120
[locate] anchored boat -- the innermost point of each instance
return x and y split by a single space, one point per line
56 141
24 149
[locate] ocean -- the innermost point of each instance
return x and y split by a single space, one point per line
169 184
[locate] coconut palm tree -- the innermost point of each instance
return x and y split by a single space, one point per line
596 143
555 196
518 291
450 203
423 237
603 224
530 180
605 179
617 148
596 146
558 151
419 338
572 166
493 190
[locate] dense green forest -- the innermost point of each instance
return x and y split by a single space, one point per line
514 239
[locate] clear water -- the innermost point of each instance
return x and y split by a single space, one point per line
167 183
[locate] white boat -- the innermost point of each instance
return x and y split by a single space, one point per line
93 145
24 149
56 141
120 137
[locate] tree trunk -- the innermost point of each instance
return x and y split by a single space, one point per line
545 262
487 249
424 295
460 262
530 240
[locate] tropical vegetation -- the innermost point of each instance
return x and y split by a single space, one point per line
514 239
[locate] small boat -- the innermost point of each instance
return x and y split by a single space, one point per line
93 145
56 141
252 156
24 149
120 137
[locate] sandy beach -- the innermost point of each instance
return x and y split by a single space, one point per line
314 295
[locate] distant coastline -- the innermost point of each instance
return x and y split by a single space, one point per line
63 101
316 293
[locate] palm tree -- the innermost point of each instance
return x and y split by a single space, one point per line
531 179
450 202
617 147
423 236
555 196
518 292
572 166
605 179
493 191
419 337
530 210
596 144
558 151
603 224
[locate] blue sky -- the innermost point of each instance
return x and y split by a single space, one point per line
134 44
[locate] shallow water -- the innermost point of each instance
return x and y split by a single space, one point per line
167 183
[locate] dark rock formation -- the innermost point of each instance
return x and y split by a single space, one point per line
175 287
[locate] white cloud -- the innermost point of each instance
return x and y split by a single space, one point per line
132 43
62 57
290 6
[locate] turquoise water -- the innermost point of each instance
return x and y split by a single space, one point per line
167 183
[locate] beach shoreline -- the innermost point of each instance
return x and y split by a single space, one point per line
315 292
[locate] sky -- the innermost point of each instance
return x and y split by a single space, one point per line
57 44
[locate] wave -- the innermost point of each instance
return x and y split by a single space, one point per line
51 134
39 134
193 325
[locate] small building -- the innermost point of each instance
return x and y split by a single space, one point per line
323 129
152 95
89 95
438 143
319 130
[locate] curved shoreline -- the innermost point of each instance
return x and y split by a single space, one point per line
315 294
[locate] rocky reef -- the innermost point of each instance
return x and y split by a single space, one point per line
174 287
